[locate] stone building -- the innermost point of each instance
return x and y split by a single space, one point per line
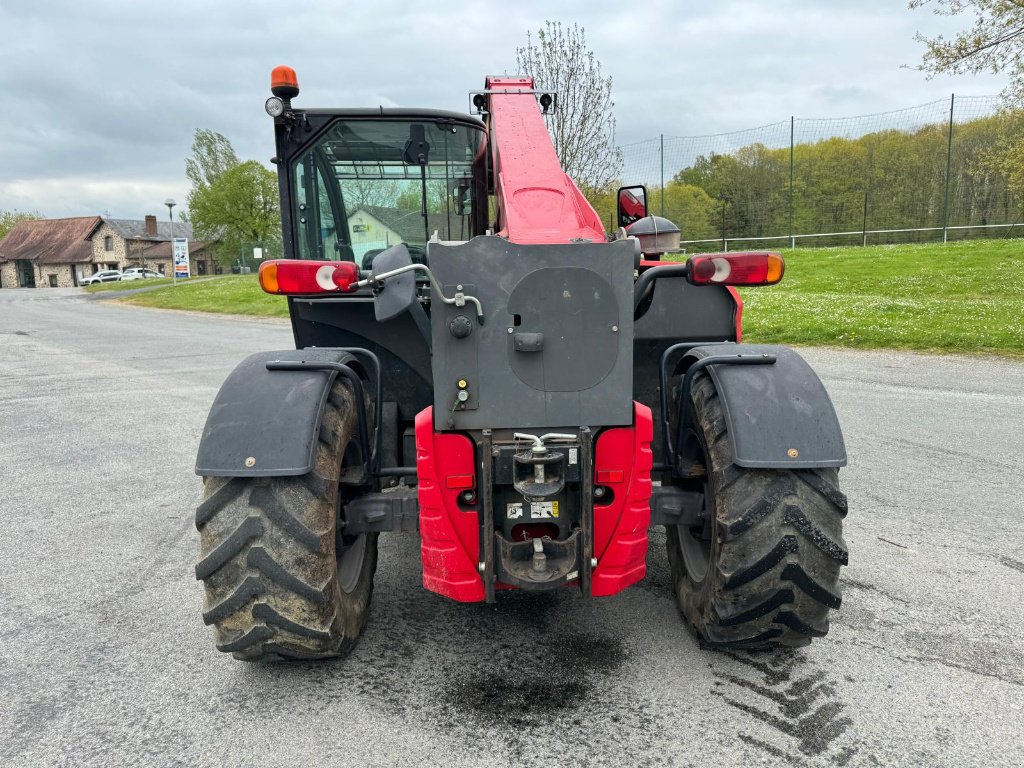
60 252
48 253
129 241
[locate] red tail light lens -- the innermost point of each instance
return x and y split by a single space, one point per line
749 268
297 277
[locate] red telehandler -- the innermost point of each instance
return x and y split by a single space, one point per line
477 360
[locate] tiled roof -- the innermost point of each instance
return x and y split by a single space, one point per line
135 229
50 241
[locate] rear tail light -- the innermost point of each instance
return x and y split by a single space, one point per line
297 277
751 268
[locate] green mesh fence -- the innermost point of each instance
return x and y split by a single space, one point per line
924 173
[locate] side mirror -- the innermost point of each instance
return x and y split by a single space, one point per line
398 293
631 204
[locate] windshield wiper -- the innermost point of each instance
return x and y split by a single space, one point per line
417 152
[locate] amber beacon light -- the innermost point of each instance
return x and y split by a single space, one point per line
284 83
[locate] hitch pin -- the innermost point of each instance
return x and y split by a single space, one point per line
540 560
538 442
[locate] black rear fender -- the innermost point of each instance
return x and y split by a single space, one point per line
265 422
778 415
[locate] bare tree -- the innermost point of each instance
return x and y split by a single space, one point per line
995 42
583 126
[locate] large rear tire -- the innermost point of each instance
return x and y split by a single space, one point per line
763 571
281 581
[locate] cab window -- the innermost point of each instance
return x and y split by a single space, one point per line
369 184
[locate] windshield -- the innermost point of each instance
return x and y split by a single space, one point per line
366 185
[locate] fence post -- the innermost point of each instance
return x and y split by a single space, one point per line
864 224
663 175
725 247
949 167
792 241
867 187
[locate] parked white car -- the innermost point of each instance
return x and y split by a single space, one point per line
139 273
105 276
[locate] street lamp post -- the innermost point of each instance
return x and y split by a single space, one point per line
169 202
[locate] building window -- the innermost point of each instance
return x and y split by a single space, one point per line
108 243
160 267
53 281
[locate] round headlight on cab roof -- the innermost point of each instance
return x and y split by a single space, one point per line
274 106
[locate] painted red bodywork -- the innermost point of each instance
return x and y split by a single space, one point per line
449 535
620 528
537 201
739 312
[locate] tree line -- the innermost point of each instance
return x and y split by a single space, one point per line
888 179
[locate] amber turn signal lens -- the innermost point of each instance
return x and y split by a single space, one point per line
268 277
776 267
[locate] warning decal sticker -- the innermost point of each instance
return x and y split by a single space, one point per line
544 510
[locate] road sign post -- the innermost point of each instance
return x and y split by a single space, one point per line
180 251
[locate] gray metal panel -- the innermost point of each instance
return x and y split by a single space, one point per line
578 295
772 410
679 311
271 416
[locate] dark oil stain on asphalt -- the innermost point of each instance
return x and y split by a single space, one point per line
525 671
530 677
802 705
556 676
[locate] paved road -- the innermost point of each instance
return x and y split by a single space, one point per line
105 661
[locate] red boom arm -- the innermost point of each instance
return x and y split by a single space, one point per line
537 201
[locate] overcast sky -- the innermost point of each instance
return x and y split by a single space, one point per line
102 97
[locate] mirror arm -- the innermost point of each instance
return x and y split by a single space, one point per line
459 299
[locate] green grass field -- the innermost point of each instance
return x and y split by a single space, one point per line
962 297
231 294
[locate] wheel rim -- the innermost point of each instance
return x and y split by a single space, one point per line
695 542
350 551
351 555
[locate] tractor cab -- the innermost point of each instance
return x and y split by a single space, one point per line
367 180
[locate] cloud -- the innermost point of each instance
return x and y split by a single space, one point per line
104 96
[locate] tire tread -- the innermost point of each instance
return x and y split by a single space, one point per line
774 570
267 556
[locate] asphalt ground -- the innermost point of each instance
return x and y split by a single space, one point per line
104 659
